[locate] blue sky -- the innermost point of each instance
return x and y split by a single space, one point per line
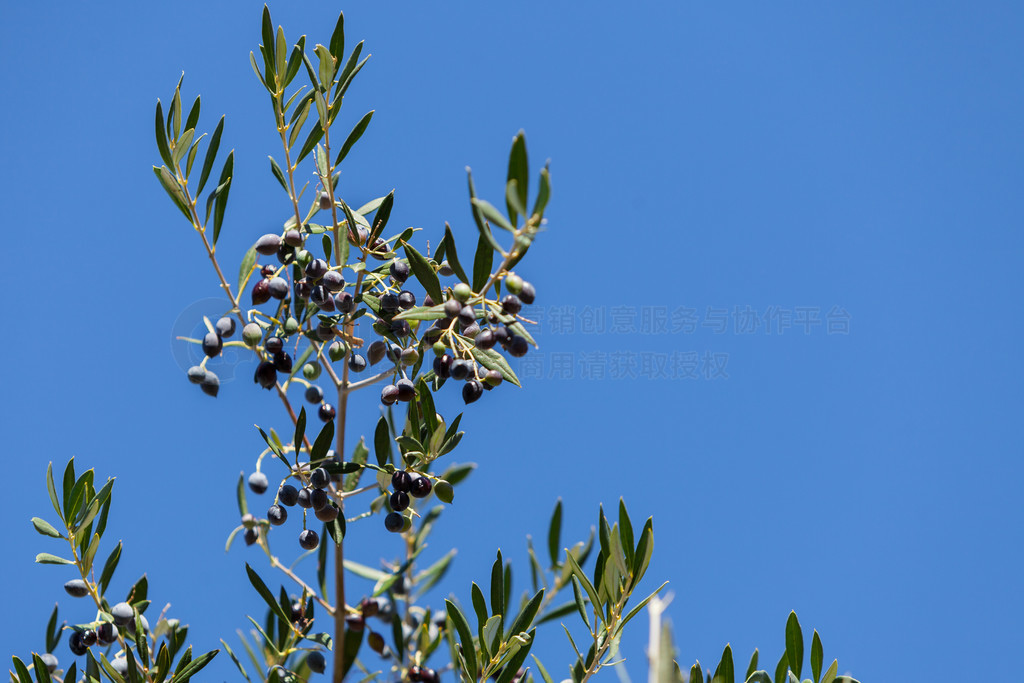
857 164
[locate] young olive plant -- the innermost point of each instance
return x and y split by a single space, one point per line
340 304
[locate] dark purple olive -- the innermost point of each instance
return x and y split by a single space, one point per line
266 375
261 292
471 391
268 244
309 540
278 287
212 344
420 487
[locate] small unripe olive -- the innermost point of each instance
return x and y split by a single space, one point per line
514 283
337 350
444 491
311 370
291 326
462 291
251 334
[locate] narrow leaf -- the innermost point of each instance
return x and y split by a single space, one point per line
424 273
752 667
161 136
221 202
353 137
519 172
248 262
794 644
265 593
555 533
452 254
465 638
724 672
51 489
44 528
337 44
492 215
816 656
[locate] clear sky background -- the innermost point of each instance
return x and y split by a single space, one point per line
854 163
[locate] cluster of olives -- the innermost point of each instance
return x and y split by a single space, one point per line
106 633
485 337
325 287
405 484
212 345
309 497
